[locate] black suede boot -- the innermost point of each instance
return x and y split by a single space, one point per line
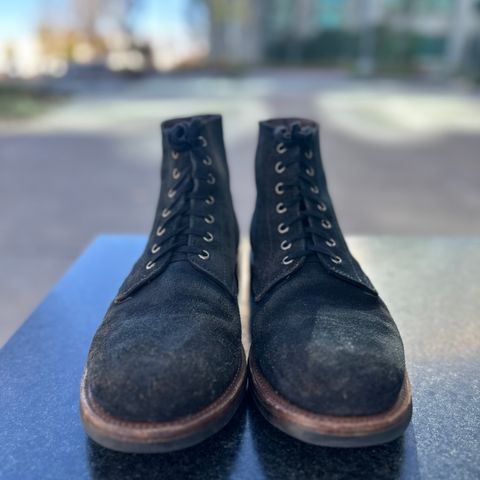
327 361
166 368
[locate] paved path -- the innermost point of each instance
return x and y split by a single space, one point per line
400 160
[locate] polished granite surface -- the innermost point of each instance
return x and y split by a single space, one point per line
432 286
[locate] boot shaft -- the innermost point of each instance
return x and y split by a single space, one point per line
294 219
194 219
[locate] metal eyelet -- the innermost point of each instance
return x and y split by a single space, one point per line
207 161
205 255
279 188
286 260
326 224
211 179
281 148
336 259
280 208
331 242
209 219
310 171
285 245
166 212
149 265
208 237
160 231
156 248
280 167
171 193
314 189
309 154
203 140
175 155
282 228
175 173
321 206
210 200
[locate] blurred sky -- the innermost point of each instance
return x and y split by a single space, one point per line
19 18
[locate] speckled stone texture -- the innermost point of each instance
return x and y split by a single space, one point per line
432 288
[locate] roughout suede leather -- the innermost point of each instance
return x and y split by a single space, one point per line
170 343
321 335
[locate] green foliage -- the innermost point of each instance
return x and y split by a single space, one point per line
17 102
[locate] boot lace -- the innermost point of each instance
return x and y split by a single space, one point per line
191 160
302 187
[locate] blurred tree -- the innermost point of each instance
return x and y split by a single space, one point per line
128 16
83 40
89 14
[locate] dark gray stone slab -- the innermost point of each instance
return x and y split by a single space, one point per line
433 290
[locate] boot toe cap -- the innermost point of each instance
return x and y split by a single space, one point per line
337 368
145 379
336 382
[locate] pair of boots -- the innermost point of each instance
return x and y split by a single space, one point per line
167 369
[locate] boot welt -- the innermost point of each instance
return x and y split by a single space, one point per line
149 437
329 430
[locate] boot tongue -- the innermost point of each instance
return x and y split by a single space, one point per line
182 238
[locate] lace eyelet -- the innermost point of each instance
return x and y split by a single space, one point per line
280 167
211 179
160 231
203 140
280 208
166 212
282 228
209 219
207 161
285 245
321 206
210 200
171 193
175 173
314 189
281 148
205 255
149 265
330 242
326 224
279 188
156 248
310 171
309 154
336 259
175 155
286 260
208 237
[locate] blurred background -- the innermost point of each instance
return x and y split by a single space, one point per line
84 84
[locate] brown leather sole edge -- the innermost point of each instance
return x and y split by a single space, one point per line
145 437
328 430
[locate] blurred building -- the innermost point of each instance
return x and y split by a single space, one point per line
235 31
392 35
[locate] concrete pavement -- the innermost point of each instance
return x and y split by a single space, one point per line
399 159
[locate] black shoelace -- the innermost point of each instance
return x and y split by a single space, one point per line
303 193
185 139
